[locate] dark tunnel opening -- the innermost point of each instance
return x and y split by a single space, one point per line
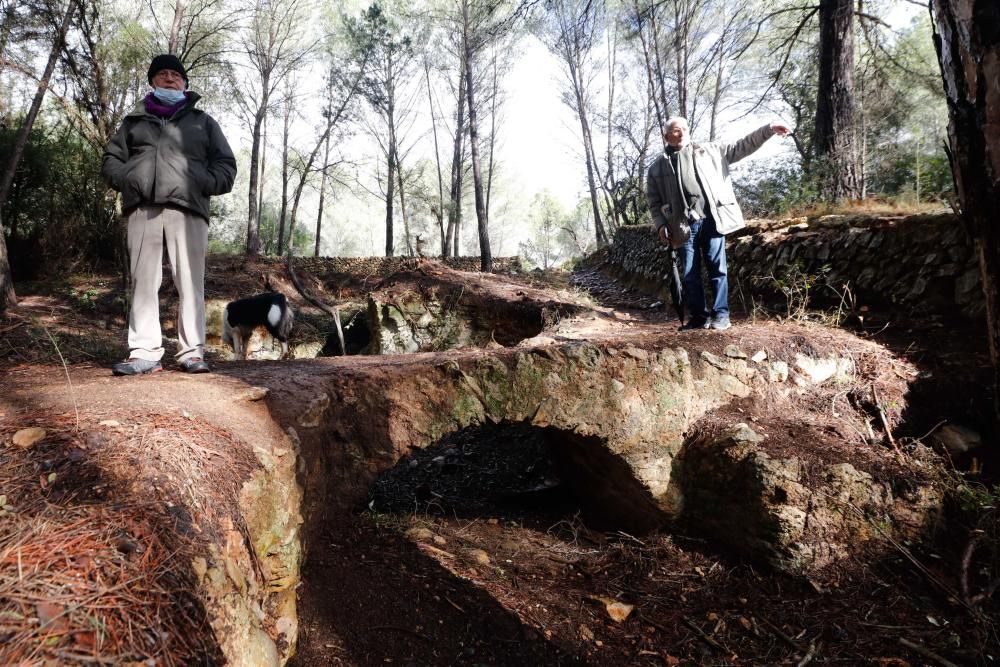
517 471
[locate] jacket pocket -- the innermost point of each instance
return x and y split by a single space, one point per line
730 217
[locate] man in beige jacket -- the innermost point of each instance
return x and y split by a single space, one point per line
693 206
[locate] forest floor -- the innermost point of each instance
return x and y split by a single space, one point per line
483 563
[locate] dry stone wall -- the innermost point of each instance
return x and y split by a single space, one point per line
386 266
920 263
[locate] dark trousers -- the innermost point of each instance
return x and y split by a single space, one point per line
706 246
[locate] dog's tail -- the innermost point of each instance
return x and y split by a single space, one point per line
226 331
286 323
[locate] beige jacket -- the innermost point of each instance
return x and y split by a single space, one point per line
712 160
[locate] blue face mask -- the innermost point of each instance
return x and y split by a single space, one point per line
168 95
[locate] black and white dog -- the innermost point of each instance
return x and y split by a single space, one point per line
241 317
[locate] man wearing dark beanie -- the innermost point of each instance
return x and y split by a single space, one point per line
166 61
167 159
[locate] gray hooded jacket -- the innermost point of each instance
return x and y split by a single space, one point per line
179 161
666 195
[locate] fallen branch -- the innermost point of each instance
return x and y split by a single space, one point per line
11 327
927 653
780 634
333 312
885 422
810 654
705 636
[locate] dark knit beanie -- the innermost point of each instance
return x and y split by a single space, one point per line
166 61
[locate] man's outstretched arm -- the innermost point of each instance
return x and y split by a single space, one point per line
740 149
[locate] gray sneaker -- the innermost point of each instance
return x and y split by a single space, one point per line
719 323
136 367
195 365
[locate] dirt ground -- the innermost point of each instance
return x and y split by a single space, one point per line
470 552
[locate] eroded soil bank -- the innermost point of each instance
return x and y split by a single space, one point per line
583 488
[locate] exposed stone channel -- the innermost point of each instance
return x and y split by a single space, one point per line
649 423
753 438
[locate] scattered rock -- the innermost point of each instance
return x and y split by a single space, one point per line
733 386
254 394
314 411
28 437
821 370
200 567
419 534
617 610
759 356
733 352
777 372
478 556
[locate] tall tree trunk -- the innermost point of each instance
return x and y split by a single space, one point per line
7 294
253 220
284 179
608 181
262 175
658 68
175 26
967 38
834 134
393 155
457 171
402 209
682 23
322 193
438 210
6 23
494 94
36 104
588 147
662 111
485 255
717 93
390 196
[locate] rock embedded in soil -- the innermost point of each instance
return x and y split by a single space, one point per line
795 515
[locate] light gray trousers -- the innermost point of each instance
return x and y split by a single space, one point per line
185 236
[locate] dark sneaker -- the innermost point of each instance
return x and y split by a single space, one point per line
195 365
719 323
137 367
696 323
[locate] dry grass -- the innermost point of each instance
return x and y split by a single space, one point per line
870 207
97 536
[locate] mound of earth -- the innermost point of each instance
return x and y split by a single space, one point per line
530 476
